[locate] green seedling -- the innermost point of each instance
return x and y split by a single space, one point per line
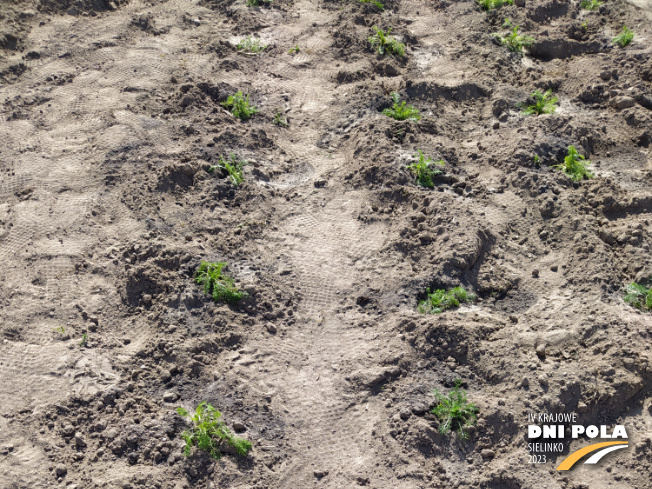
536 160
543 103
424 169
258 3
591 4
440 300
401 112
507 24
624 38
514 41
575 165
493 4
251 45
233 167
376 3
639 296
383 43
216 284
294 50
84 340
208 431
239 106
454 411
280 120
59 329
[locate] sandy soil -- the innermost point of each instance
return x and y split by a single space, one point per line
110 119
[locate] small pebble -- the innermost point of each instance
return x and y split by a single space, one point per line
169 397
166 375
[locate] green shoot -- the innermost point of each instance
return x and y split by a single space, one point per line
376 3
251 45
84 340
507 24
258 3
423 169
382 42
221 287
493 4
280 120
575 165
537 163
543 103
233 167
639 296
401 112
59 329
294 50
454 411
208 431
440 300
514 42
591 4
624 38
239 106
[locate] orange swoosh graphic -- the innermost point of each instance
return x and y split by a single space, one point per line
575 456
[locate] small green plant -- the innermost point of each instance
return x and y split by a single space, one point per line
59 329
591 4
639 296
258 3
575 165
624 38
216 284
493 4
536 161
376 3
84 340
382 42
514 41
440 300
540 103
401 112
280 120
233 167
454 411
507 24
251 45
239 106
423 169
208 431
294 50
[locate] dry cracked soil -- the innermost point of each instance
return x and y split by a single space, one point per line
110 124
